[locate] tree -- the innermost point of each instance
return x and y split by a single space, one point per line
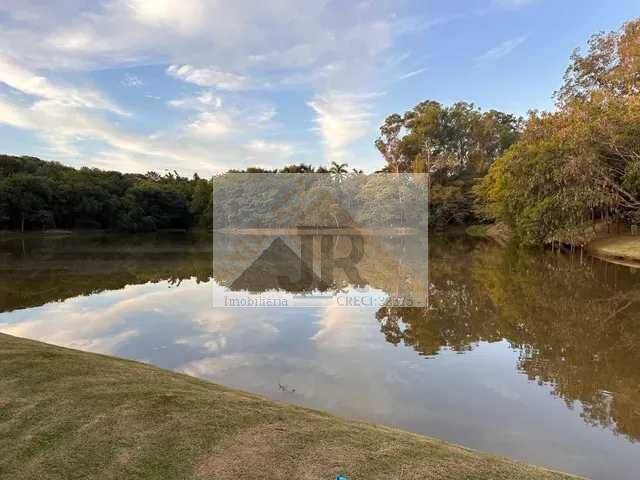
580 164
38 194
388 143
601 100
26 200
531 189
300 168
338 171
202 203
152 205
453 145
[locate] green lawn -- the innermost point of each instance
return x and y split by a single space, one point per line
66 414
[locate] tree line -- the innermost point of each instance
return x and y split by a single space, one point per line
337 199
552 177
36 194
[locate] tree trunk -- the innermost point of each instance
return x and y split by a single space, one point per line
22 224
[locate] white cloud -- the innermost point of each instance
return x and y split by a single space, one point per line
214 121
63 126
14 116
26 81
341 119
65 117
262 116
412 73
500 51
513 3
185 16
209 77
240 35
73 41
203 101
262 147
220 46
267 153
211 125
131 80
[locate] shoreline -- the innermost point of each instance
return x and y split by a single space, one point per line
67 413
6 235
619 249
314 231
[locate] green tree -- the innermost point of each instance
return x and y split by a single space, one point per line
39 194
339 171
25 201
580 164
202 203
453 145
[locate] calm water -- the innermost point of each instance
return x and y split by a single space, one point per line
533 356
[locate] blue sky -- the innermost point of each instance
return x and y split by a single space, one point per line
205 85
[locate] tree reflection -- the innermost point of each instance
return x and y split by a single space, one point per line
39 270
574 323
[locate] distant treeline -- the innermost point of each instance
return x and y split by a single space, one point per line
35 194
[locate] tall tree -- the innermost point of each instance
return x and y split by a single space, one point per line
453 145
581 163
338 171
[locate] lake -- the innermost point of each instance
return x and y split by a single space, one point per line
531 355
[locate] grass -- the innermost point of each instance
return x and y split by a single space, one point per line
66 414
479 231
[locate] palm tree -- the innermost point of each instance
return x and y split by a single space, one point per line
338 170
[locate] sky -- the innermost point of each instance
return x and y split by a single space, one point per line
206 85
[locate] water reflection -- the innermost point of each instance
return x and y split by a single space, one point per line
528 355
575 324
313 261
38 270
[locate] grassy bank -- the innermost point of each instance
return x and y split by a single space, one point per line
623 248
66 414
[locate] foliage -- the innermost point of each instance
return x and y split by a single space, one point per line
580 164
37 194
335 200
454 145
26 198
534 189
201 207
477 231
